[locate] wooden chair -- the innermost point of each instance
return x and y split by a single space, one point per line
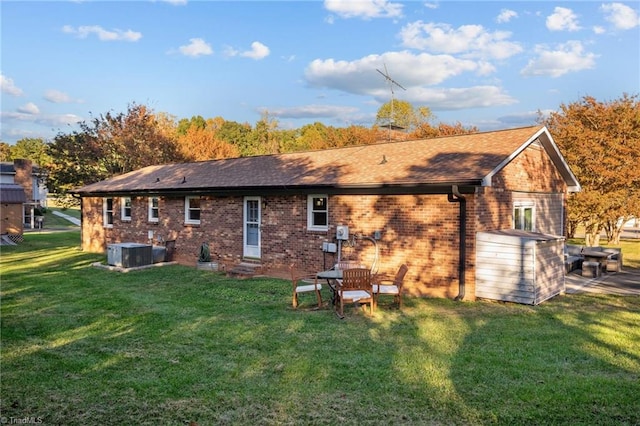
390 287
355 287
304 283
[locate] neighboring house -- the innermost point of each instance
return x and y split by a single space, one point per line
403 202
29 177
12 200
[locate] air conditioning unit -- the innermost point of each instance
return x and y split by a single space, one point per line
129 255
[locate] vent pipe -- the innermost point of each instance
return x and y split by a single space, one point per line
456 197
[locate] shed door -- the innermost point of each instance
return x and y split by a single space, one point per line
251 227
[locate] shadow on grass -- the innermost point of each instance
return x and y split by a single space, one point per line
571 360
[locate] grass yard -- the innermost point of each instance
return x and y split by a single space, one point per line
173 345
52 221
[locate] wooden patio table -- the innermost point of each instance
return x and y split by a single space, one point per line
332 276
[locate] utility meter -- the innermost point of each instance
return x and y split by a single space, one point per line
342 232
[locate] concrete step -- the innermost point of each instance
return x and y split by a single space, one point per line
245 270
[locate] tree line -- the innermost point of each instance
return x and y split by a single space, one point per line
599 140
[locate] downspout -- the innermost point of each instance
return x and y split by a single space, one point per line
457 197
78 197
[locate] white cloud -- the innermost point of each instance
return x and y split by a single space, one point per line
230 51
567 57
598 30
621 16
312 111
474 41
196 47
258 51
17 134
415 73
57 97
506 15
410 70
48 120
103 35
562 19
7 86
447 99
365 9
29 108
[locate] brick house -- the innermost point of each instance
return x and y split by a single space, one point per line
403 202
29 177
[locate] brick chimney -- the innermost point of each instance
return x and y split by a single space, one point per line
23 177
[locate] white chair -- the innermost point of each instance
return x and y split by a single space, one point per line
390 287
304 284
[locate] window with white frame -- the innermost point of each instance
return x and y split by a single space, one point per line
192 210
524 216
317 212
107 212
154 209
125 208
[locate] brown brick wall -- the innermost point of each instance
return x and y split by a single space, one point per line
529 177
11 219
420 230
94 236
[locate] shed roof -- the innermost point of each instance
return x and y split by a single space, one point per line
466 160
11 193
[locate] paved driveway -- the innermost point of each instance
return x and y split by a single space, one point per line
624 283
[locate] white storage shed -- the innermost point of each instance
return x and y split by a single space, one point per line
519 266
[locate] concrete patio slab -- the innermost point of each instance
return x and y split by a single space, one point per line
624 283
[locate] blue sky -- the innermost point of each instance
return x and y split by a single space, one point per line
488 64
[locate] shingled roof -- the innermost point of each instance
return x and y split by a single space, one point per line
466 160
11 193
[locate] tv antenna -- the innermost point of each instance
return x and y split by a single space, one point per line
391 83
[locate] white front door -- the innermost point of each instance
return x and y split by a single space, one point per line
252 227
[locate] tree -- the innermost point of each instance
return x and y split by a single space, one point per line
236 134
262 138
312 136
196 121
109 145
198 144
601 143
34 149
75 162
402 114
5 151
353 135
133 140
425 130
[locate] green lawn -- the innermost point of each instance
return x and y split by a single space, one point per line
172 345
52 221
